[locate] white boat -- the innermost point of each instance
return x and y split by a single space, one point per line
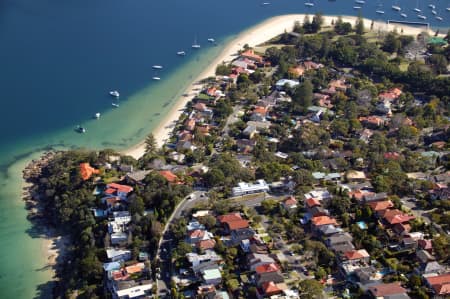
356 7
310 4
422 17
157 67
195 45
115 105
380 12
434 12
181 53
432 6
265 3
404 15
156 78
396 7
439 18
360 1
417 10
448 8
211 40
114 93
97 115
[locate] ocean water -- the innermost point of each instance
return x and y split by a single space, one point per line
59 59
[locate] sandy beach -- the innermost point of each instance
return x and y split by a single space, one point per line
253 37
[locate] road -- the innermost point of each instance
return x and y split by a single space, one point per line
165 243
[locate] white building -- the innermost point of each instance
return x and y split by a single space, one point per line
131 289
118 254
247 188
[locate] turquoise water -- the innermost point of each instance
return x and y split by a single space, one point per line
60 58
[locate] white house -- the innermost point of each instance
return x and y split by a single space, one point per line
118 254
131 289
247 188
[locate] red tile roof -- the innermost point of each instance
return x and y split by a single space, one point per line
323 220
251 55
396 216
312 202
118 188
356 254
290 201
267 268
206 244
169 176
440 283
86 171
229 217
197 233
270 288
381 205
232 225
386 289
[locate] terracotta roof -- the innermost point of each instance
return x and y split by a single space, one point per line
312 202
386 289
356 254
381 205
136 268
206 244
297 71
260 110
251 54
440 283
290 201
267 268
118 188
211 91
396 216
323 220
196 233
270 288
229 217
86 171
237 224
169 176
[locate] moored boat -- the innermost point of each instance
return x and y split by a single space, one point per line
396 7
310 4
380 12
80 129
422 17
156 78
114 93
181 53
115 105
97 115
157 67
403 15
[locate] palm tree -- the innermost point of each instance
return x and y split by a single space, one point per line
150 144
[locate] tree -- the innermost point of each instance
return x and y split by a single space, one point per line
359 26
303 95
137 206
439 63
269 205
310 289
150 144
391 44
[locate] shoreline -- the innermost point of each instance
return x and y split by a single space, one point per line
253 36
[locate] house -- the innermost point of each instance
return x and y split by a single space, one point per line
189 124
388 290
273 276
380 207
198 235
212 276
373 197
255 259
206 244
112 203
390 95
359 256
116 255
178 157
119 190
250 131
232 222
119 238
131 289
193 225
431 268
136 177
372 121
312 202
424 256
322 195
169 176
289 204
245 145
241 234
365 135
196 259
328 230
282 83
86 171
267 268
250 54
355 176
338 239
269 289
439 284
247 188
425 245
396 216
319 221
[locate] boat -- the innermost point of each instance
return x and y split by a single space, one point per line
356 7
156 78
432 6
181 53
157 67
360 1
115 105
434 12
448 8
422 17
380 12
80 129
310 4
417 10
265 3
97 115
195 45
396 7
211 40
439 18
404 15
114 93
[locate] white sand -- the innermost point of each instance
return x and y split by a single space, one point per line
253 37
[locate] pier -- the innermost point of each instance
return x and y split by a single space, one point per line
409 23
